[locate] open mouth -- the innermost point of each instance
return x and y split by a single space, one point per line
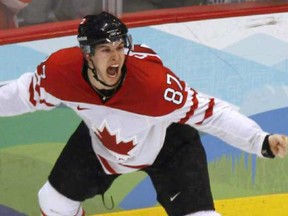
112 71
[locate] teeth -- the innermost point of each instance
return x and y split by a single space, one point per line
114 65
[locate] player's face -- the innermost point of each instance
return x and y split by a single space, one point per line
108 60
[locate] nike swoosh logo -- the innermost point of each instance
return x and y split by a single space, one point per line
174 197
81 108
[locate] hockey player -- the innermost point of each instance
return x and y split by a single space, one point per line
137 115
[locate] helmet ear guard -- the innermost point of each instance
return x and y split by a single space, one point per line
86 49
129 42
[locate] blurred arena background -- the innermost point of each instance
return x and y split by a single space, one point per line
235 50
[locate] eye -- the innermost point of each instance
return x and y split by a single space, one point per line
106 50
120 47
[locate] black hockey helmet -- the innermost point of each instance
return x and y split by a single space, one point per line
102 28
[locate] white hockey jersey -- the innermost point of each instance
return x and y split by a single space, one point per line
128 130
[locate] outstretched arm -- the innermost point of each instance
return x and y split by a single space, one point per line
25 95
238 130
221 119
14 96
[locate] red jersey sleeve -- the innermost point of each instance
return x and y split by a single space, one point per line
59 77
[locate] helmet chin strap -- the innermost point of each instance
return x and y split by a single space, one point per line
97 78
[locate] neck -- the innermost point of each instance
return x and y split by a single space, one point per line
104 92
94 82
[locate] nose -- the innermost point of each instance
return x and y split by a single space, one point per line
115 55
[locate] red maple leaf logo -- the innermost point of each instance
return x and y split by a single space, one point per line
109 141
